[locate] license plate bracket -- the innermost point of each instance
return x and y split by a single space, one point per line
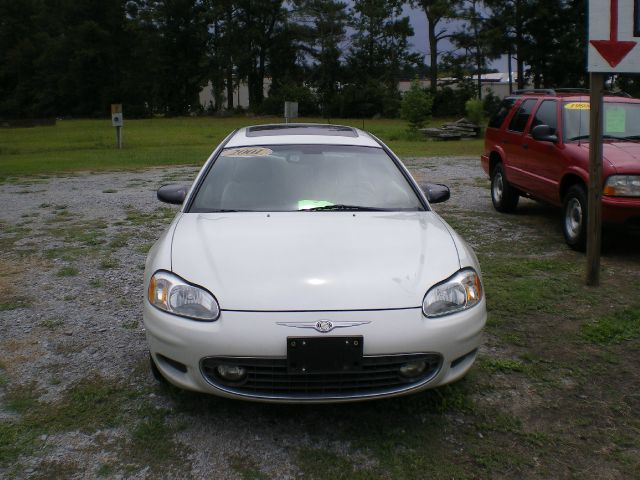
307 355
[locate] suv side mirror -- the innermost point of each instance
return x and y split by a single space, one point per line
436 192
174 194
544 133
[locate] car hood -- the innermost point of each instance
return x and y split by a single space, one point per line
624 157
314 260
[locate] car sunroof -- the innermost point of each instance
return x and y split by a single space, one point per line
327 130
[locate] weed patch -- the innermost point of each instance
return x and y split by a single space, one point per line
617 327
108 263
138 217
67 272
12 298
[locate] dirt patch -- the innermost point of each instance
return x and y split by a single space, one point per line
544 401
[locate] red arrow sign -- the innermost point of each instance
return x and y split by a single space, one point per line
612 50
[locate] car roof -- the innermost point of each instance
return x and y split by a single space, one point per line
301 133
572 94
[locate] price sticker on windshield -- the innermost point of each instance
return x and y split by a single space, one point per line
615 120
245 152
577 106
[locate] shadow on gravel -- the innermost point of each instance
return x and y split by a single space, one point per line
366 421
619 242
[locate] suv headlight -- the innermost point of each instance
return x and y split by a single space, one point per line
170 293
622 186
461 291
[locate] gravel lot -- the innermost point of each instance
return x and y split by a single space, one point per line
73 249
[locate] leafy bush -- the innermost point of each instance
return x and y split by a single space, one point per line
449 102
274 103
490 104
416 106
474 111
366 100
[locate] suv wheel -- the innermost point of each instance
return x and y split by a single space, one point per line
574 224
503 195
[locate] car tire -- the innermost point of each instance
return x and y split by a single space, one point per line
574 218
504 196
155 371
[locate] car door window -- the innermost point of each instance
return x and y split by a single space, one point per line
547 114
504 109
520 119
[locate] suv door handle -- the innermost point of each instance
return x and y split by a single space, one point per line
525 146
504 141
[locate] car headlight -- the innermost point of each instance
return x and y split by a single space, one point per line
170 293
459 292
622 186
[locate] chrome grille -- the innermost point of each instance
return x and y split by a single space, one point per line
269 378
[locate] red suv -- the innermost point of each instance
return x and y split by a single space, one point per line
537 145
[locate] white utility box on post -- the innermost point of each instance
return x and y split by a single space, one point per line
117 120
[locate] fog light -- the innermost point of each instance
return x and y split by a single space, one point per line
232 373
413 369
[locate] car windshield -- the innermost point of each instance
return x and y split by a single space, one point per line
304 178
621 120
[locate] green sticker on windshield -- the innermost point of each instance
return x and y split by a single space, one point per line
307 204
615 119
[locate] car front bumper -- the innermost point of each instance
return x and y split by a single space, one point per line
620 210
180 346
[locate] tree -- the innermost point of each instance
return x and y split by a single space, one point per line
60 57
416 106
436 12
257 22
182 33
547 35
555 43
324 23
472 38
379 51
506 30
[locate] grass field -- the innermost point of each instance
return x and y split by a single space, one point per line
74 145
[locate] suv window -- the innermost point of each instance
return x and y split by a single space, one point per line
501 114
520 119
547 114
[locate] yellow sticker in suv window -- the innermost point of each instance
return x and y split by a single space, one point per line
577 106
247 152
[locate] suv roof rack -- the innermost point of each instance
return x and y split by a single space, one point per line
534 91
555 91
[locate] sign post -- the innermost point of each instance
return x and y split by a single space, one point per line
594 195
613 27
117 120
290 111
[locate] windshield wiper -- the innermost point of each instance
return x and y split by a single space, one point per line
227 211
631 137
579 137
352 208
605 137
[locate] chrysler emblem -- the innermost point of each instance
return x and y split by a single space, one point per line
322 326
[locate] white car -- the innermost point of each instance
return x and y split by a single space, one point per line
306 265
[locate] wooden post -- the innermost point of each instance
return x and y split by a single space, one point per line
119 137
594 197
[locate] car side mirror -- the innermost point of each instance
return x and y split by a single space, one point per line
544 133
436 192
174 194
